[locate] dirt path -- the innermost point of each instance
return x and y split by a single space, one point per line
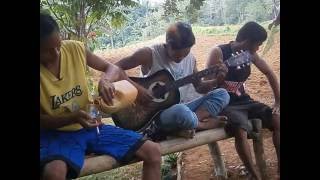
197 164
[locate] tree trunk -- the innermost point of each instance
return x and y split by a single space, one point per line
122 38
274 9
111 38
219 165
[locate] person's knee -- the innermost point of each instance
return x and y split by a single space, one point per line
240 133
56 169
180 115
153 153
185 117
220 97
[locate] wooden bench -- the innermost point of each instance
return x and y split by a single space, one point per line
97 164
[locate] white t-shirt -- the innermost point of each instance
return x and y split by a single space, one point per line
178 70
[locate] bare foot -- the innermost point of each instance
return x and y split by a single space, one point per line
212 122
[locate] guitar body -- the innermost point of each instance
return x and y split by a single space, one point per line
137 116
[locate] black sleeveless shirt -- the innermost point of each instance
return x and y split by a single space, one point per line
236 76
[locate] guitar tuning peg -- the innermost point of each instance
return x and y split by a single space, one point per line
248 64
232 55
238 67
241 51
243 65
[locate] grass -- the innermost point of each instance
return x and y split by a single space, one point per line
130 172
222 30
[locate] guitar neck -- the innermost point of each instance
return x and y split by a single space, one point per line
189 79
180 82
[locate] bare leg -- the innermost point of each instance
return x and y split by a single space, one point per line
276 136
55 170
150 153
206 121
243 149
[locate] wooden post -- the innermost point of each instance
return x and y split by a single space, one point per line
179 166
258 148
220 169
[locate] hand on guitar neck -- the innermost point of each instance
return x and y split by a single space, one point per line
212 81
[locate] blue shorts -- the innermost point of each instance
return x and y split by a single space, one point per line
71 147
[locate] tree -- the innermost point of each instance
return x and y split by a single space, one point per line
256 11
170 8
212 13
78 17
186 10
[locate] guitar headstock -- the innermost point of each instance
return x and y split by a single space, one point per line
239 59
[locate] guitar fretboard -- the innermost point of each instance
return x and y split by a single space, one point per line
191 78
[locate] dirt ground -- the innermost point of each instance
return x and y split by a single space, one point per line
197 163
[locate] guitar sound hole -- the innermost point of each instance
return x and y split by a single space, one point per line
158 91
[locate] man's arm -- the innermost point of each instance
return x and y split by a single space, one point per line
116 73
272 78
53 122
216 59
212 81
141 57
111 74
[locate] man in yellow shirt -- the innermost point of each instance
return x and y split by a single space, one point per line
67 130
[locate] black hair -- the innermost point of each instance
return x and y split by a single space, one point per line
180 36
47 26
253 32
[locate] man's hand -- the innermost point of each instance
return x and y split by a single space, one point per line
204 86
221 73
106 91
84 119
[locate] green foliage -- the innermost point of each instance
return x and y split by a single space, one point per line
220 12
170 8
170 162
256 11
78 17
119 23
131 172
